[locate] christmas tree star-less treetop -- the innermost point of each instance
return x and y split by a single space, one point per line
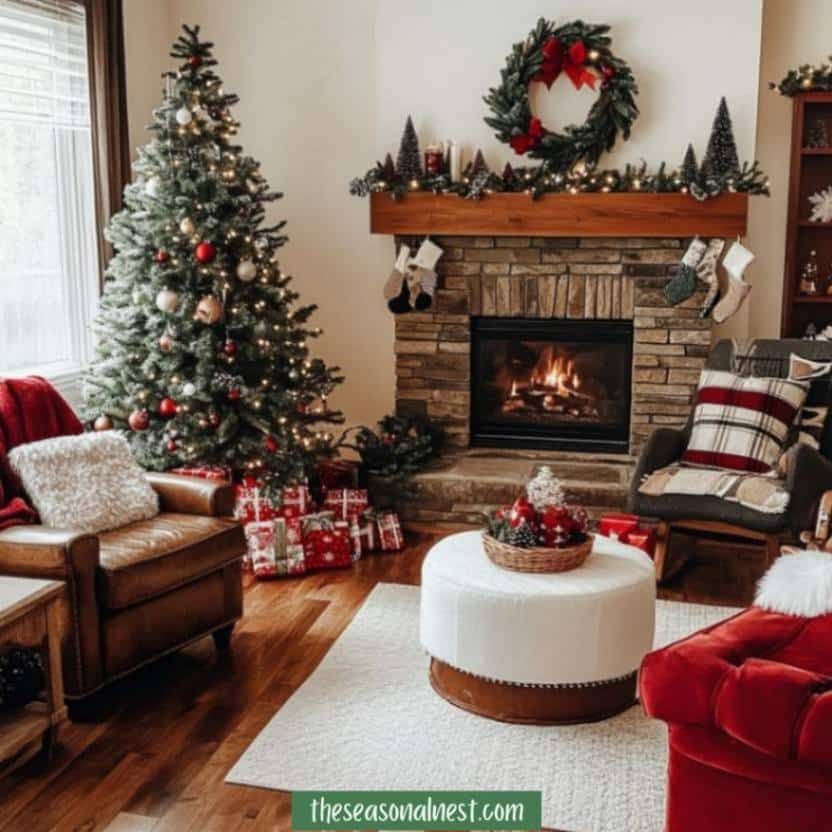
203 355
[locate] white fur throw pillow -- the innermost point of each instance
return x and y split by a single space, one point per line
89 482
799 584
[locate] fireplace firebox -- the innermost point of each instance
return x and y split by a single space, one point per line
557 384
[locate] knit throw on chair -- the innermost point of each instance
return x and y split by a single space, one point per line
30 410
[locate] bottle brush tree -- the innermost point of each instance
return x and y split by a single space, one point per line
721 157
690 169
409 162
203 352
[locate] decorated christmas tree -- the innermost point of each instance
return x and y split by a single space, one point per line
690 169
721 157
203 352
408 162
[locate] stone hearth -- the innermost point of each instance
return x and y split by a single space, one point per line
544 277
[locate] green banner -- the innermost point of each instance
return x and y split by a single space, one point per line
396 810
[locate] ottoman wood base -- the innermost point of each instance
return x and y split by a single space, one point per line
543 705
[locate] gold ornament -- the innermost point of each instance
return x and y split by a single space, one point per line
209 310
103 422
187 226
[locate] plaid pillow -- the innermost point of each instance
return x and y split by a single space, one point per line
741 422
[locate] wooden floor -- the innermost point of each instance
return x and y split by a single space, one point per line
169 733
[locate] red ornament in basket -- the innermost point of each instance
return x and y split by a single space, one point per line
347 502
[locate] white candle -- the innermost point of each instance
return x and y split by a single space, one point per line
455 160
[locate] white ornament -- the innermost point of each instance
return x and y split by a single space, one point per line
136 296
183 116
545 489
167 300
188 389
246 271
153 186
821 205
187 226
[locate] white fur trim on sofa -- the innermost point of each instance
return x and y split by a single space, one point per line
799 584
90 483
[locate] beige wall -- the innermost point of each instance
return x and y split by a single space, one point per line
325 87
794 32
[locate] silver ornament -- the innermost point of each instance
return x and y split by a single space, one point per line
246 271
167 300
183 116
188 389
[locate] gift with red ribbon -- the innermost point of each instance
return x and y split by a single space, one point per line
347 502
218 473
390 535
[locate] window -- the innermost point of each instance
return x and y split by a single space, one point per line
49 278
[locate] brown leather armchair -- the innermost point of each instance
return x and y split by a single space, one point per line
138 592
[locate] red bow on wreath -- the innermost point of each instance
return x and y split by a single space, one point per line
571 62
526 141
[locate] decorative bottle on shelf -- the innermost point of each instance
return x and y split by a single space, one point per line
809 275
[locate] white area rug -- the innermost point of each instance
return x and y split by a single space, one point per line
367 718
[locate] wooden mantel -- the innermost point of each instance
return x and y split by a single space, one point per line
561 215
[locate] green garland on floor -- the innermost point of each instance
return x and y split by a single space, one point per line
542 179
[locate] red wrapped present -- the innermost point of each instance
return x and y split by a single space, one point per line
270 553
644 538
390 535
294 531
295 499
617 525
364 534
251 505
328 548
347 502
338 473
220 473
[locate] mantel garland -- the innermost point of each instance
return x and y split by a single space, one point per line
581 51
805 78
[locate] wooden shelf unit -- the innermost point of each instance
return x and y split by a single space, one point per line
560 215
810 171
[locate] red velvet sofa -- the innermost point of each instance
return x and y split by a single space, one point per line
749 707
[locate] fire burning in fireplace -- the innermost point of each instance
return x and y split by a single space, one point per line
552 386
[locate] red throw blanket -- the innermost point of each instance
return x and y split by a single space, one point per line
31 409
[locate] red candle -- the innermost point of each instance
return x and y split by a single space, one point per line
433 160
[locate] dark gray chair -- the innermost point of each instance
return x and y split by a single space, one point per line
809 472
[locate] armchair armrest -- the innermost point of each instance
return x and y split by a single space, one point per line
663 447
192 495
73 557
808 475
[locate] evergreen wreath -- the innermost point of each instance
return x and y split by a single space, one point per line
582 52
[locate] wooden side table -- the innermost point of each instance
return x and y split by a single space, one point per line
29 618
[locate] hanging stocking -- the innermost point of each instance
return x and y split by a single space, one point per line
706 271
735 264
393 286
421 284
682 285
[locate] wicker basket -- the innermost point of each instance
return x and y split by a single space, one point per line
537 558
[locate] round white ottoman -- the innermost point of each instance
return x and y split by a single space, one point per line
543 649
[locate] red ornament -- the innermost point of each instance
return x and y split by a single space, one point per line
270 444
138 420
235 394
230 348
214 420
165 343
167 408
194 62
522 512
162 256
172 446
205 252
607 73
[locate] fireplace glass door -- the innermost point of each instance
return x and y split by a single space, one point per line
551 384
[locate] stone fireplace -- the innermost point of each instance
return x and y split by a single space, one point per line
598 356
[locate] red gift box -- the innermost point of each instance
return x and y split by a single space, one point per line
363 532
390 535
617 525
347 502
328 548
338 473
269 551
251 506
644 538
295 499
220 473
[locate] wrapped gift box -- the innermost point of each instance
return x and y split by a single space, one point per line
320 521
364 533
347 502
338 473
643 538
251 506
617 525
270 552
328 548
390 535
220 473
296 500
